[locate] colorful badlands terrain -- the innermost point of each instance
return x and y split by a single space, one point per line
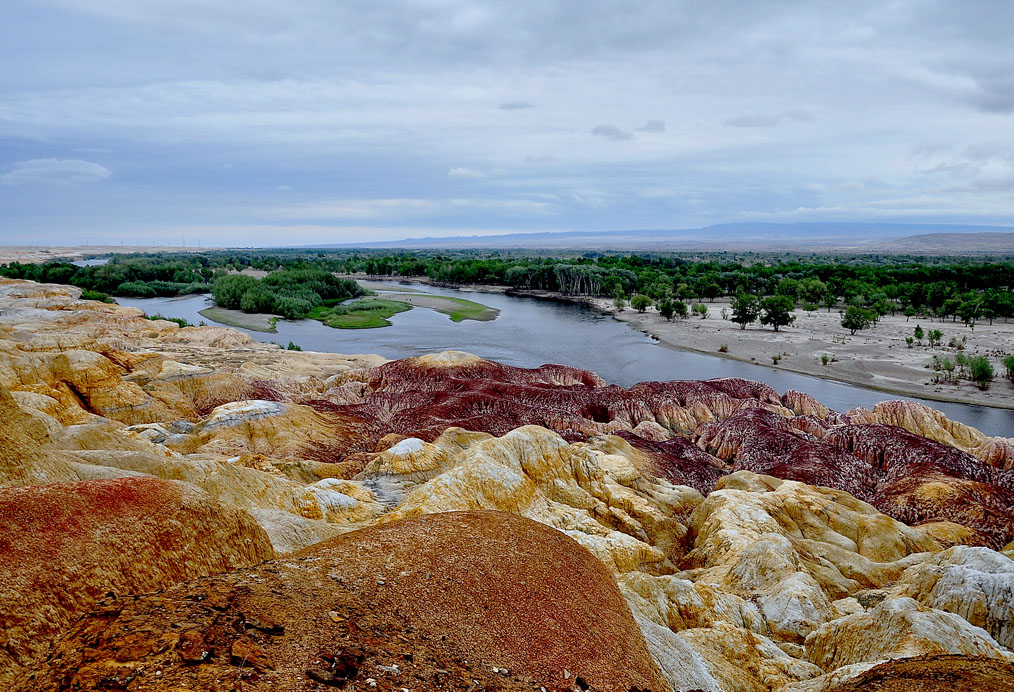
187 509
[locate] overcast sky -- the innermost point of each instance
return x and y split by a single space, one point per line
271 122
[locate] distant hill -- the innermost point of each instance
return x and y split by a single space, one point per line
819 237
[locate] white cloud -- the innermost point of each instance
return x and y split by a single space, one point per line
465 173
55 171
354 209
515 105
652 126
392 209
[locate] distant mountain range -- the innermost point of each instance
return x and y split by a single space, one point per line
800 237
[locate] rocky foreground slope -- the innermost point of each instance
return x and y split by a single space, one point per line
189 509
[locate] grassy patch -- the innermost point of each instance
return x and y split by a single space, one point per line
365 313
468 310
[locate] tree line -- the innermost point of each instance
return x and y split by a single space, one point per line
944 288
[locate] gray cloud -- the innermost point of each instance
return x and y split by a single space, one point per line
515 105
611 132
997 95
761 120
382 101
652 126
752 120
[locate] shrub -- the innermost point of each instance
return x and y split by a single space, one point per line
95 295
293 347
982 371
292 308
640 302
135 289
182 322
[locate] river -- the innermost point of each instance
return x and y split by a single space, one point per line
531 332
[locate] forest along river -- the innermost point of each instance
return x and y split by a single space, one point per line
530 332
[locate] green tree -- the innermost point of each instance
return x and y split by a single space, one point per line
640 302
710 290
777 311
745 309
935 337
856 318
228 290
918 333
969 311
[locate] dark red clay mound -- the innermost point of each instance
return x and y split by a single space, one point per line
922 480
679 461
66 545
904 475
942 673
412 375
455 601
409 399
765 442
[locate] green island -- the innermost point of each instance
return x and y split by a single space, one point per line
364 313
369 313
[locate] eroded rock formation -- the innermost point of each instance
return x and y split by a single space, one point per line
737 539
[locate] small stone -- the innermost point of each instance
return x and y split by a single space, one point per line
246 651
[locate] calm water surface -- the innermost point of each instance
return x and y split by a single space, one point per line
531 332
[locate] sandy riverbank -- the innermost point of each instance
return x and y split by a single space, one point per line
258 322
876 358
